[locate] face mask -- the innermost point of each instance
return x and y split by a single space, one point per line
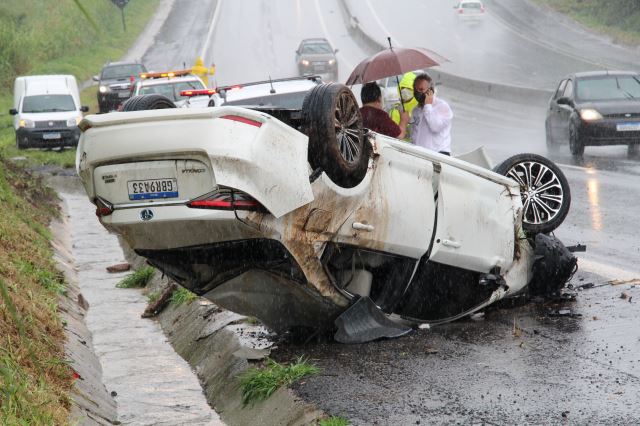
420 97
406 94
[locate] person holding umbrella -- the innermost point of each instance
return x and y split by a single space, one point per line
375 118
431 119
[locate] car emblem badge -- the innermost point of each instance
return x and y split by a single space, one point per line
146 214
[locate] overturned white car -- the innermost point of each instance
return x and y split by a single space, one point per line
303 219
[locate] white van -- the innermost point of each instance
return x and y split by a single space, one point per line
46 111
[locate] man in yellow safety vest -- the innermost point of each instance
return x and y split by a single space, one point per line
405 90
203 72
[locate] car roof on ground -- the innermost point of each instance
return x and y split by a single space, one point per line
263 88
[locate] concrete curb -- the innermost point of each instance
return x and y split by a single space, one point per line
482 88
91 402
220 345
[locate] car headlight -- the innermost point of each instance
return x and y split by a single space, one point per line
332 61
73 122
589 114
104 89
27 124
304 62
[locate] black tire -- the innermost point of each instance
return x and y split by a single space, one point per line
575 144
552 146
337 142
146 102
545 192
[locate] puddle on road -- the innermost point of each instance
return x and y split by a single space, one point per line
154 385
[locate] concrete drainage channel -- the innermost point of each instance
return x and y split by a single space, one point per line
145 382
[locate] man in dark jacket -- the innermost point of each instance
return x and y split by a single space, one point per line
375 118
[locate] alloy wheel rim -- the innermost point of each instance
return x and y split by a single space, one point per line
541 191
348 132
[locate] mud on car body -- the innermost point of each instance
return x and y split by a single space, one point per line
309 221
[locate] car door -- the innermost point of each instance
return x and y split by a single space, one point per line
553 114
564 112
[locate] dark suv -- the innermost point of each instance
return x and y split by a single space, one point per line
115 81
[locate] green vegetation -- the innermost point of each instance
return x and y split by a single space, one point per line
257 384
55 37
153 296
334 421
181 296
138 279
34 379
42 37
617 18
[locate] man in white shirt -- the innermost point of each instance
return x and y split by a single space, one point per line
431 118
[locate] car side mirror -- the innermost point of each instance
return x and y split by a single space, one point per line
564 100
84 108
96 78
13 111
335 51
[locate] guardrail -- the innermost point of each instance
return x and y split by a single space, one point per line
494 90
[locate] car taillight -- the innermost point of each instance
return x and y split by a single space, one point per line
242 120
460 10
226 200
482 10
103 207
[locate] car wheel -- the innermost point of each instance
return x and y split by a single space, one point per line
18 144
337 143
146 102
552 147
544 189
633 150
575 144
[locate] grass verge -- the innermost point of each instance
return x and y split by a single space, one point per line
334 421
182 296
34 377
258 384
619 19
42 37
138 279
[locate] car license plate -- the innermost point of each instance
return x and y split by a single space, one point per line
123 94
149 189
51 136
628 127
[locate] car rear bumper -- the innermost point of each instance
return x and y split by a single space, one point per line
48 138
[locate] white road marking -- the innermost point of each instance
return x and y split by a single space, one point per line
607 271
328 37
211 28
395 42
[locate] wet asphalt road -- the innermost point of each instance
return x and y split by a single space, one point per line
545 369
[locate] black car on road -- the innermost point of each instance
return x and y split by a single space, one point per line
115 82
595 108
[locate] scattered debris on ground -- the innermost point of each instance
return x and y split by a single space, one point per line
120 267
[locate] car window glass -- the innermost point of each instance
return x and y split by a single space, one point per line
316 48
610 88
568 90
122 71
160 89
471 5
560 89
48 103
